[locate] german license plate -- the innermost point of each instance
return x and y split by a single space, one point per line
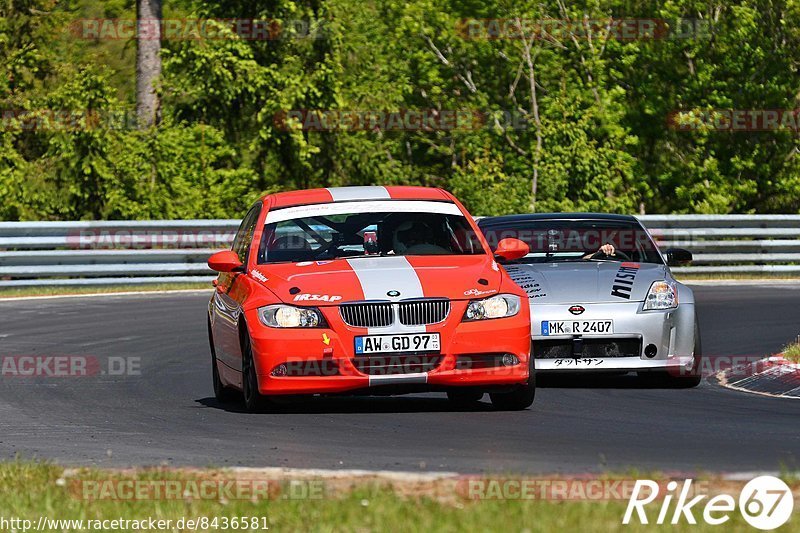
577 327
414 342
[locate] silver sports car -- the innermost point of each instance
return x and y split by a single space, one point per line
602 295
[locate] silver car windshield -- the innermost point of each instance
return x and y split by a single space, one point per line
577 240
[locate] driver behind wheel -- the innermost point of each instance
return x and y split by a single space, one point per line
607 249
415 237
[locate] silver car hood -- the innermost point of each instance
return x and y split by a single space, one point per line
586 281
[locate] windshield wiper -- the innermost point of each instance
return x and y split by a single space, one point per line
381 254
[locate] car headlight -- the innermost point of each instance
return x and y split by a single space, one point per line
499 306
287 316
662 295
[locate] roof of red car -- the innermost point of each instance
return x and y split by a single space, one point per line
335 194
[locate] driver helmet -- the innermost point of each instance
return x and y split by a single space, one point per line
410 233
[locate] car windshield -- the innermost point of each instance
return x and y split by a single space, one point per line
366 234
577 240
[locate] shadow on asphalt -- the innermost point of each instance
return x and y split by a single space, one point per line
605 381
357 404
438 403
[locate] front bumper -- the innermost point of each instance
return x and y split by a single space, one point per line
670 333
332 350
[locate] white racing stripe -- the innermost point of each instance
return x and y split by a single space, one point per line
376 206
343 194
379 275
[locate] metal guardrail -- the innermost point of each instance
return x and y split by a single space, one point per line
136 252
731 244
110 252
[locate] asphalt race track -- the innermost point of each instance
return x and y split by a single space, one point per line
167 414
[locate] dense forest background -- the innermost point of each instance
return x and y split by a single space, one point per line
592 117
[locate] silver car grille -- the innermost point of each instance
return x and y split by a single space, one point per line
411 313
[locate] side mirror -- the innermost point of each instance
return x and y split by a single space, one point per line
678 256
510 249
225 261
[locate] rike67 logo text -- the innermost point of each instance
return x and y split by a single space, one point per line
765 503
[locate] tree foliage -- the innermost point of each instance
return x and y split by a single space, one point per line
562 122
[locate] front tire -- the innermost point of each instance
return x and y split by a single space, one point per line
464 398
696 375
254 401
521 397
686 381
516 400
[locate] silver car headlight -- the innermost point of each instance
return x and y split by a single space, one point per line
499 306
288 316
662 295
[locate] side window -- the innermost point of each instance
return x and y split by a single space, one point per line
241 243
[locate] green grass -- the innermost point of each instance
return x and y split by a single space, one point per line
792 351
31 490
103 289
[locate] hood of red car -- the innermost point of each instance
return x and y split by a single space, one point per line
391 278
